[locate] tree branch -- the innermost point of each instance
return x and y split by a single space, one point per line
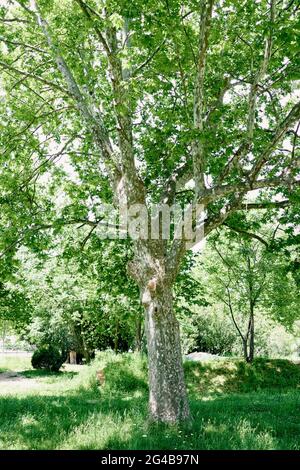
21 236
86 10
27 46
149 59
51 159
232 315
198 151
35 77
96 123
291 118
266 205
248 234
213 194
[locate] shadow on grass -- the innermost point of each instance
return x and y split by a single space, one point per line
46 422
237 422
126 381
234 376
115 416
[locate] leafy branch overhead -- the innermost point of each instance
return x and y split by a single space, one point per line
204 152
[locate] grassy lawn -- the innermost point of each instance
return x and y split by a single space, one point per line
14 362
234 405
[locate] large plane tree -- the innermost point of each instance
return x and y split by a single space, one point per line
154 102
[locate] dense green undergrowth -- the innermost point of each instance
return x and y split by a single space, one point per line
234 406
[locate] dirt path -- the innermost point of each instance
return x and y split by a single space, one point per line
13 382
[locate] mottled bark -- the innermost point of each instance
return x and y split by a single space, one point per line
168 398
154 273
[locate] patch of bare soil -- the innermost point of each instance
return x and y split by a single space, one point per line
12 382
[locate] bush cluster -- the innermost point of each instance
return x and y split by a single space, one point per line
48 358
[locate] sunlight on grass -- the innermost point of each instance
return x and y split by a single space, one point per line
15 362
28 420
99 431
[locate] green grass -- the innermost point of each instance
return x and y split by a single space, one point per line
14 362
234 405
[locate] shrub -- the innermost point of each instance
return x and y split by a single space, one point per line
48 358
125 373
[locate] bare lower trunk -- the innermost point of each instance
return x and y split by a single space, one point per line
248 343
116 339
155 273
168 398
245 350
251 340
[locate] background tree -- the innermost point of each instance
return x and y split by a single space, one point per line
247 273
81 297
240 282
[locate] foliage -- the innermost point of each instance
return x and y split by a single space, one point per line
47 357
244 277
14 305
47 139
209 330
83 300
85 296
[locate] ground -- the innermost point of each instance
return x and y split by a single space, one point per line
234 406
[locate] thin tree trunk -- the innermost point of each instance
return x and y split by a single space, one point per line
251 340
116 339
245 349
82 348
251 306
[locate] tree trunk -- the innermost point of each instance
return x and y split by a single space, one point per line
73 359
251 340
168 398
155 272
116 339
245 349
